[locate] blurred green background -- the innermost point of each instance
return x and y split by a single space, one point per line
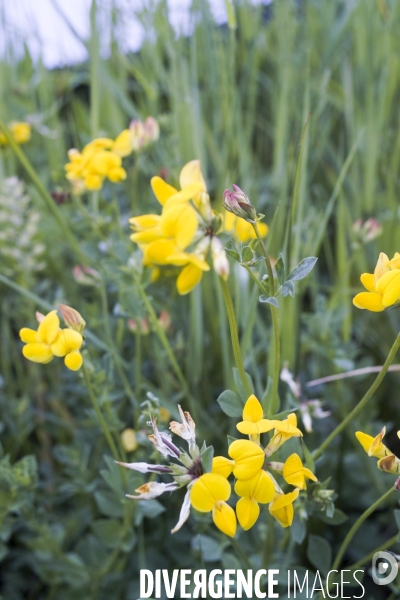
237 96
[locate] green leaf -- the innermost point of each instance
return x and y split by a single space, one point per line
247 254
207 458
298 530
108 531
230 403
239 385
287 289
319 553
303 269
269 300
230 439
266 286
233 253
280 269
109 503
337 518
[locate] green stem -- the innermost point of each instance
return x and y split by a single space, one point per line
358 524
234 335
390 542
164 341
274 405
103 424
362 402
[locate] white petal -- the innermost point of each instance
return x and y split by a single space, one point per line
184 514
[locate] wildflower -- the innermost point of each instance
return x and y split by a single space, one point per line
241 230
281 507
151 490
163 441
248 458
258 489
210 493
222 466
387 462
143 134
295 473
366 231
49 341
140 326
284 430
72 318
238 203
383 285
253 422
128 439
21 132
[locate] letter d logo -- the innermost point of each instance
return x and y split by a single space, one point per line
386 571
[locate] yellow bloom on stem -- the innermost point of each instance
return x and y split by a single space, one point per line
295 473
241 230
222 466
373 445
209 494
38 343
67 345
248 458
383 285
253 422
281 508
258 489
284 430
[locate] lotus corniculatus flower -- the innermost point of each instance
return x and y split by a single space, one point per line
373 446
383 285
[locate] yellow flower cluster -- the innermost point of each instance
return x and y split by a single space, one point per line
102 158
254 485
20 131
49 340
373 446
186 220
383 285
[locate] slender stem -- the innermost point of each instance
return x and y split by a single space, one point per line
164 341
362 402
390 542
358 524
234 335
274 405
102 421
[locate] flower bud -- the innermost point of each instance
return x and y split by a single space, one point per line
128 439
72 318
152 130
220 260
239 204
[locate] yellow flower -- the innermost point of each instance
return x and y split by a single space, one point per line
373 446
242 230
253 422
38 343
258 489
123 143
210 493
49 341
128 439
295 473
21 132
281 508
222 466
284 430
383 285
248 458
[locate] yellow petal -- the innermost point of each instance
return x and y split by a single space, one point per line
180 222
191 173
382 267
368 281
386 280
159 251
123 143
39 353
209 489
48 328
161 189
117 174
247 511
288 426
365 440
187 193
67 341
394 263
73 360
295 473
144 221
392 291
248 457
285 499
260 488
252 410
248 428
188 278
283 515
224 518
29 336
369 301
222 466
146 236
183 258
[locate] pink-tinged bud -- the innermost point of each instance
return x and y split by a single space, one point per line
141 326
72 318
366 231
389 464
220 260
238 203
164 320
85 275
152 130
397 484
39 317
137 134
